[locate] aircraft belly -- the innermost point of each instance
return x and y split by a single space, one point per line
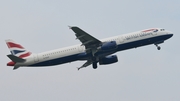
57 61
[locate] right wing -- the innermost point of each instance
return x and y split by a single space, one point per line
89 62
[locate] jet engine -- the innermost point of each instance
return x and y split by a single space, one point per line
108 46
108 60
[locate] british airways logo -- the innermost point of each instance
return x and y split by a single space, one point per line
150 30
18 50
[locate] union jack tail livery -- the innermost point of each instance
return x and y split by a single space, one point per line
17 49
18 53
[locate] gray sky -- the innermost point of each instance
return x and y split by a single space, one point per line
142 74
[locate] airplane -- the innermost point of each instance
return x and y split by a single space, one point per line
92 50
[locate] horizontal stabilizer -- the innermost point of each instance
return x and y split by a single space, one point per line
15 58
15 67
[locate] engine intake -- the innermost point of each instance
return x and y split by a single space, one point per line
108 60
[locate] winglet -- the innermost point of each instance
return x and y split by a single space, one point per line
15 58
70 27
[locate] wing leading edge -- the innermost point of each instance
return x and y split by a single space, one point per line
86 39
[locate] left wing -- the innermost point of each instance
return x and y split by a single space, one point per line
87 40
90 42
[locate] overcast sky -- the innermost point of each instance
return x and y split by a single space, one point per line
142 74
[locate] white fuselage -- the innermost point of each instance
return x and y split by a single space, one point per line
72 53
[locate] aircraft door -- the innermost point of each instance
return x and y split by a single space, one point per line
36 59
155 33
121 39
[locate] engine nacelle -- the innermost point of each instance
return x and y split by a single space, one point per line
108 60
109 46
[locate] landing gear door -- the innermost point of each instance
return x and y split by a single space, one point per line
36 59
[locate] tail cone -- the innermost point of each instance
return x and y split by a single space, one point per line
11 63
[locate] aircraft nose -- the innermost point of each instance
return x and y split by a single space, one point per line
169 35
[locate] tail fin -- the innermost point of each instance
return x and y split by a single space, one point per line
17 50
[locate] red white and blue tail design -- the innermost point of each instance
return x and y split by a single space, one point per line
17 50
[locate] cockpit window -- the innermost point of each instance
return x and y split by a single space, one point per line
162 29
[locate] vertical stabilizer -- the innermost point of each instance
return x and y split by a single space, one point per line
17 49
